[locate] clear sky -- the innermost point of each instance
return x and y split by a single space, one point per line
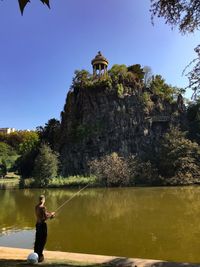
40 50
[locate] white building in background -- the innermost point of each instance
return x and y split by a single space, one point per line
7 130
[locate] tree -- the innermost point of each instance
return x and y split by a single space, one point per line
81 79
118 73
193 114
45 166
3 169
145 173
25 164
147 75
20 140
182 13
7 155
137 70
160 88
194 74
178 160
186 15
50 133
30 140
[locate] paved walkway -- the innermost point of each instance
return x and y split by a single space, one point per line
7 253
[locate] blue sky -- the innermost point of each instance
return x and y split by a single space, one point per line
40 50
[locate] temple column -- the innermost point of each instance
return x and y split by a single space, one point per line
104 69
99 69
94 71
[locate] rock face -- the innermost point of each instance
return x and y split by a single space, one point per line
98 121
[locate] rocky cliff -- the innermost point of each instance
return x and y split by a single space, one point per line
101 119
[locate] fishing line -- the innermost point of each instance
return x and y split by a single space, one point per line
68 200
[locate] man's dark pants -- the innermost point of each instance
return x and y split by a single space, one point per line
40 238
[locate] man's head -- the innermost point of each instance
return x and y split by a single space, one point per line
42 199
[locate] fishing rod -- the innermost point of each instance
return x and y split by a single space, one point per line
68 200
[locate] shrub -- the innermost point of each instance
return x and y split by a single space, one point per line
111 170
145 173
179 158
26 183
120 89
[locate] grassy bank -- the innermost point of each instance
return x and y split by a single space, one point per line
11 180
73 181
61 182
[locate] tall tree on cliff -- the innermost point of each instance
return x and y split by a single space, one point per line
184 14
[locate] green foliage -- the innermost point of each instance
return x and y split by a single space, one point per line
181 13
45 167
193 114
120 89
12 139
111 170
27 183
179 159
7 154
20 141
50 133
73 181
118 73
81 79
145 173
185 15
4 150
3 169
146 98
28 149
61 182
160 88
102 82
124 79
30 140
138 71
118 79
25 163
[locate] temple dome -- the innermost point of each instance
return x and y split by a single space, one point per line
99 64
99 59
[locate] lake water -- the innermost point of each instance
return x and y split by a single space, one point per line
159 223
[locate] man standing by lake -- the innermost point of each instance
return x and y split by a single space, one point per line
41 227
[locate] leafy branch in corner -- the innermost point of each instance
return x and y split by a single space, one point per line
194 74
23 3
185 14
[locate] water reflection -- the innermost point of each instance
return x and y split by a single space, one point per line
160 223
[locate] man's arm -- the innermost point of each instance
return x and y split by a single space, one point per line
49 215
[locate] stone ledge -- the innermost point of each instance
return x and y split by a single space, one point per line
8 253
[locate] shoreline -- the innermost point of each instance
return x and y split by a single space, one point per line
58 258
15 184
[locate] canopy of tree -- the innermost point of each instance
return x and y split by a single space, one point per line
185 14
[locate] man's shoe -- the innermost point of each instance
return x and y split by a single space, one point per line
41 259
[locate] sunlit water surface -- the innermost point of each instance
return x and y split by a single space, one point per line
159 223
